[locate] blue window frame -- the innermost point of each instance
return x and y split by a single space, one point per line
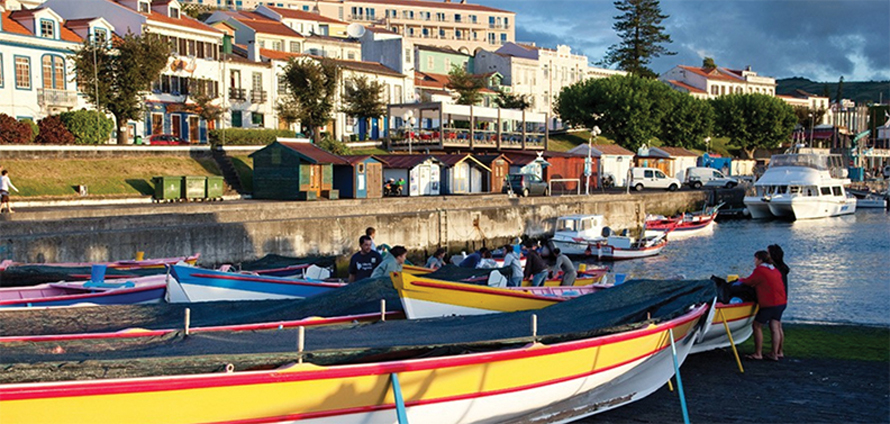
53 72
47 28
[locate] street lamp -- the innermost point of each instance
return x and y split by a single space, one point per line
594 133
408 117
812 119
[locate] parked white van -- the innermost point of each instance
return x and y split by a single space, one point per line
696 177
652 178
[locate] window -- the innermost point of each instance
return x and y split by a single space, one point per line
350 55
143 7
440 17
235 79
47 28
473 19
648 174
837 191
430 63
257 119
100 36
457 34
491 21
491 39
407 55
504 41
23 73
506 22
305 8
826 191
456 17
276 45
53 72
282 84
257 81
447 64
174 13
294 47
441 33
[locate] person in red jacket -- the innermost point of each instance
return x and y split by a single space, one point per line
767 283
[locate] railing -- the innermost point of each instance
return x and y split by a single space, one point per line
258 96
64 98
561 186
237 94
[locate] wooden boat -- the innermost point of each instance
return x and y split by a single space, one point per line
310 268
586 235
738 317
682 226
192 284
28 274
118 292
159 263
568 379
424 297
591 275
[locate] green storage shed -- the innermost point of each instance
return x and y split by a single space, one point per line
293 170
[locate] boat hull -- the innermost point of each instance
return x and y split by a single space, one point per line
203 285
497 386
140 290
810 207
738 317
757 207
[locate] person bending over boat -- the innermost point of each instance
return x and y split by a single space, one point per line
437 260
363 262
473 258
564 264
392 262
535 267
778 256
767 282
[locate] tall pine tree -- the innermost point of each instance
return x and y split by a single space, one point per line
642 37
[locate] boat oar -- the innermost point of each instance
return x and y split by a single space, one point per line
731 342
401 413
679 380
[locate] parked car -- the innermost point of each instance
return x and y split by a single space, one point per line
166 140
698 177
526 185
652 178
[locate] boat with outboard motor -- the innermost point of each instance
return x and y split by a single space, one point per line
684 225
802 184
586 235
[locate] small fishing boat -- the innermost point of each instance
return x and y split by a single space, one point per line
869 199
586 235
684 225
495 278
309 268
738 317
193 284
149 289
568 374
29 274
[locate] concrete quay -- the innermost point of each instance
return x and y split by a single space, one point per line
240 230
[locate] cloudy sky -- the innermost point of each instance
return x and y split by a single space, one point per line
821 40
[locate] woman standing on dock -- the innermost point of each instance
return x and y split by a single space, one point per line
778 256
767 282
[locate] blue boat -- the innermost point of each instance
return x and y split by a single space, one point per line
138 290
193 284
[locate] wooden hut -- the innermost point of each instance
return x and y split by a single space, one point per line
500 167
422 173
463 174
360 177
289 170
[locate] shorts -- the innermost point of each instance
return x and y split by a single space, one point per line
765 315
4 196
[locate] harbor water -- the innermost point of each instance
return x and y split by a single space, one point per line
840 267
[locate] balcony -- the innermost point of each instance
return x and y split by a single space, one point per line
239 94
56 98
258 96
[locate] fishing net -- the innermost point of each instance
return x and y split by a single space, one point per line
634 304
273 261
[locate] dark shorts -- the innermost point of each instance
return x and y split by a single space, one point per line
765 315
4 196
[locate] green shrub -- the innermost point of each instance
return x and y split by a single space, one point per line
334 146
245 136
35 129
13 131
53 131
88 126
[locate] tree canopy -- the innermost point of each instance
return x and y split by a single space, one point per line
687 121
117 79
753 121
642 36
467 85
313 86
363 98
508 100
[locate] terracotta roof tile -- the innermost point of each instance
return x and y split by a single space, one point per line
677 151
405 161
277 55
354 159
268 26
184 20
13 27
436 5
304 15
372 67
713 74
687 87
612 149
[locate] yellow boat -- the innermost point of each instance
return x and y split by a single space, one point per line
568 380
585 278
738 317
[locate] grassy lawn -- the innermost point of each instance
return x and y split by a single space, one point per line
244 167
848 342
103 177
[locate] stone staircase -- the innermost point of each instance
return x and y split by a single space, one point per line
228 168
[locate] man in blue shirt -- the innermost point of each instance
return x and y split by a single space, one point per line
363 262
473 259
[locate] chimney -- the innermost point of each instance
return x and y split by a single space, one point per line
253 51
463 1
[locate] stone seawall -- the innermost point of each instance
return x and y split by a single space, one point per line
244 230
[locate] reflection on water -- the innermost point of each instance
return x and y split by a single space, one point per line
840 267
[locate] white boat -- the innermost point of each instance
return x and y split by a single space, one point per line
801 186
586 235
869 200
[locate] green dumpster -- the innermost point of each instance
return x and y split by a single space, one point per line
167 188
215 187
194 187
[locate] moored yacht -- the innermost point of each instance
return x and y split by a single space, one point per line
801 186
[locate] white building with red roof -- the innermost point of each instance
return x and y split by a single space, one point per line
192 68
708 83
36 74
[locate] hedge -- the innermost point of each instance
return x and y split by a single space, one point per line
53 131
244 136
13 131
88 126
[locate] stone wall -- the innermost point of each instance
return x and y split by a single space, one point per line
244 230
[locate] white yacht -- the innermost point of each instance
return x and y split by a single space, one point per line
801 186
